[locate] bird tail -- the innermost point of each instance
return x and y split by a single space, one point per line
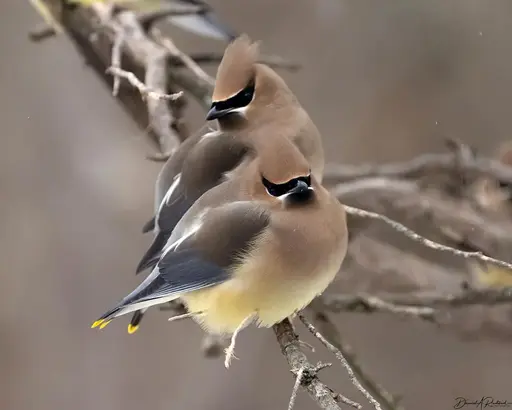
135 322
150 258
105 319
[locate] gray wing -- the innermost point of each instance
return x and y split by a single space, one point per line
204 24
170 171
203 169
202 258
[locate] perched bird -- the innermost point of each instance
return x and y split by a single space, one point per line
258 247
493 198
250 102
202 22
253 106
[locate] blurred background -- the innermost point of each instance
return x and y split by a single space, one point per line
383 80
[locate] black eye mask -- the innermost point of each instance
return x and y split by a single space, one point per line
242 99
282 189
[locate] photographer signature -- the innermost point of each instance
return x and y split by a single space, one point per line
484 402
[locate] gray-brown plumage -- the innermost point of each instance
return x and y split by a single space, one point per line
251 102
493 198
253 106
261 244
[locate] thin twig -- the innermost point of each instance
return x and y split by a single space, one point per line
318 391
390 186
116 60
351 303
145 91
161 117
343 361
331 333
41 33
424 241
422 165
175 52
296 386
268 59
374 304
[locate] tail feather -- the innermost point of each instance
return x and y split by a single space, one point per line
150 258
105 319
135 322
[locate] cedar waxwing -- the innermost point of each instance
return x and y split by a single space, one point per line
203 23
251 102
258 247
217 153
494 197
199 164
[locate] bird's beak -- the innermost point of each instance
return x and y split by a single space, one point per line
300 188
215 113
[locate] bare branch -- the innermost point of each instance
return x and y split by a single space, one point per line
424 241
330 331
297 360
41 32
268 59
343 361
116 64
352 303
144 90
176 53
296 386
421 165
390 186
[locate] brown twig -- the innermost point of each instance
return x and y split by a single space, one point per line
41 33
268 59
298 381
422 165
176 53
330 331
424 241
351 303
145 91
339 355
115 68
297 360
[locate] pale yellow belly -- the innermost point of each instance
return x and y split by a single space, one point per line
226 306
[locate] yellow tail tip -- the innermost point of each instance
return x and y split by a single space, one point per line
104 324
97 323
132 329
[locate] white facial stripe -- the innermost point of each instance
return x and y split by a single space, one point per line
240 110
284 196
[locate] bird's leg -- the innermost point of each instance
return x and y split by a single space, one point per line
185 316
230 351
